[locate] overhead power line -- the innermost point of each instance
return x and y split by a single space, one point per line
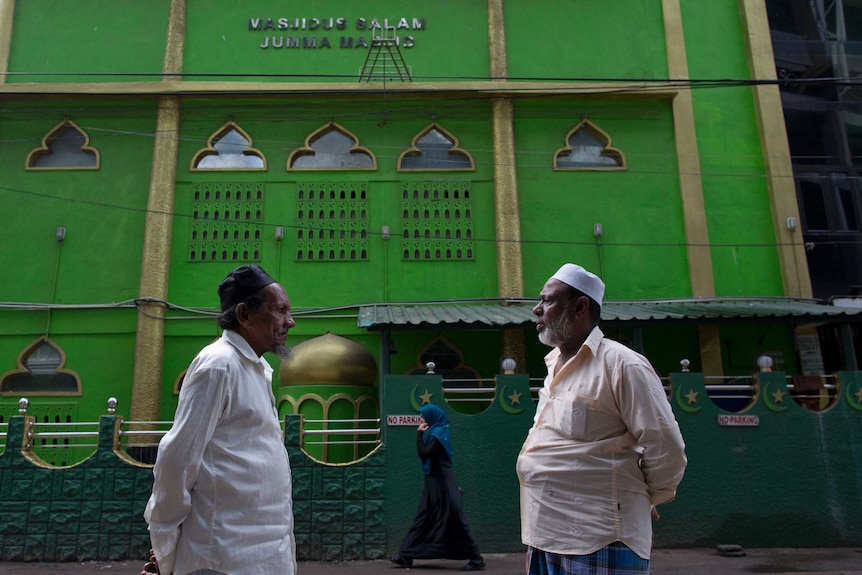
646 82
307 227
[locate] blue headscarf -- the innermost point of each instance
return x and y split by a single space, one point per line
438 428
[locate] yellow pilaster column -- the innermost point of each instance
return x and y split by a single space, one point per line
155 264
7 13
507 217
776 150
691 186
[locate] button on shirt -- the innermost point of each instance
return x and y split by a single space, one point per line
222 487
604 448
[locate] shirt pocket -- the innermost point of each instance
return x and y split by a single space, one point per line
571 414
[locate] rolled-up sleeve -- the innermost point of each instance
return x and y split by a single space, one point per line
648 415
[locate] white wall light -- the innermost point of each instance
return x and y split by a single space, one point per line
508 364
764 362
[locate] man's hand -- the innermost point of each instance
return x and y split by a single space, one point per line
151 566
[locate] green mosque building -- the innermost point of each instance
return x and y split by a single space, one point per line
411 172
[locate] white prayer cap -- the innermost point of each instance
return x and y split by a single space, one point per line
580 279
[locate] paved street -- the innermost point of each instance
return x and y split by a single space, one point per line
833 561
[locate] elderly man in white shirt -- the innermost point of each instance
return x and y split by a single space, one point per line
221 501
604 448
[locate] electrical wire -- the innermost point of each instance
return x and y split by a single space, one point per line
645 85
423 112
605 243
678 82
327 312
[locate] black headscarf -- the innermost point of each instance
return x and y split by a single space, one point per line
241 283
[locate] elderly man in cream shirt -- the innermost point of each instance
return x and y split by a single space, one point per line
221 501
604 448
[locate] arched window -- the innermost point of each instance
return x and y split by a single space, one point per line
435 149
229 148
588 148
40 372
332 148
64 148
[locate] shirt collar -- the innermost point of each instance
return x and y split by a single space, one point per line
592 343
594 340
240 343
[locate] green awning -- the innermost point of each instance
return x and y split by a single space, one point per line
518 313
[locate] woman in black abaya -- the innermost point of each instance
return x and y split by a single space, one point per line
439 529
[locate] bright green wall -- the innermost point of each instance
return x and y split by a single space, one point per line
556 39
102 210
219 41
641 255
277 130
735 194
640 208
119 40
98 262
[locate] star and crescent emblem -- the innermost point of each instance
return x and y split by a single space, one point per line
772 399
688 401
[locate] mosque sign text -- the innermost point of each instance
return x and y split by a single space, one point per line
334 32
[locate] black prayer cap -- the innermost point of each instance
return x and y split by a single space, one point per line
241 283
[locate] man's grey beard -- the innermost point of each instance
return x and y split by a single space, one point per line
557 333
551 336
282 351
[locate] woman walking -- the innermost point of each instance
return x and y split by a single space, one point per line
439 529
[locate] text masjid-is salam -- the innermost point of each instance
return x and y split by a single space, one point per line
325 24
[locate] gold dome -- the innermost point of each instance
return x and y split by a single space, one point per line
329 360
